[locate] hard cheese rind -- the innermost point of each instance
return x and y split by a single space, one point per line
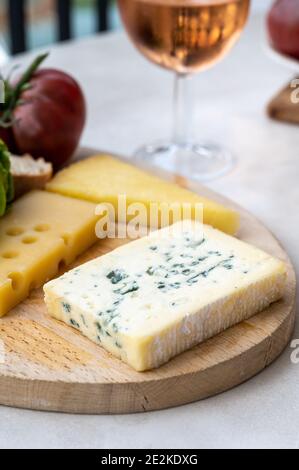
102 179
41 232
153 298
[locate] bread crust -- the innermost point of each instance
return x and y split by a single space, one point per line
29 174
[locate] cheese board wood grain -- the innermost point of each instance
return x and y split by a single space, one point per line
50 366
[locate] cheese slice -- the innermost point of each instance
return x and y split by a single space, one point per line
102 179
153 298
40 233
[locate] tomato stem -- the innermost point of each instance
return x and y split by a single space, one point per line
14 93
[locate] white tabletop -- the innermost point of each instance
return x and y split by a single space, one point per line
129 104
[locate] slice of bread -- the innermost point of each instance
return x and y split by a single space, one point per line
29 173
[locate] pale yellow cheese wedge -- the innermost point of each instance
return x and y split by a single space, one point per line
40 233
103 178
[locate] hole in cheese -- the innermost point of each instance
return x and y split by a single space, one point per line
10 254
16 280
66 238
14 231
29 240
62 265
42 228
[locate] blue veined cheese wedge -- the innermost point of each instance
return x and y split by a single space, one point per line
158 296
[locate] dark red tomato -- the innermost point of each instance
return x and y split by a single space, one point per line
7 136
283 26
51 118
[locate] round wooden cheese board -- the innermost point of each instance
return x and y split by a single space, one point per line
49 366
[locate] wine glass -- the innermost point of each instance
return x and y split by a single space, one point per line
185 36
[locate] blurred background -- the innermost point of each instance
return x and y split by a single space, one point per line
38 23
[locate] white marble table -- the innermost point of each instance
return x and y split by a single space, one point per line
129 103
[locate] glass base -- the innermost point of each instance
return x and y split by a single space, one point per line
200 162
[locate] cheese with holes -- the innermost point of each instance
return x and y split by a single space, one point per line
102 179
41 232
155 297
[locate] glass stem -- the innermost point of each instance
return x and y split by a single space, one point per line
182 110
